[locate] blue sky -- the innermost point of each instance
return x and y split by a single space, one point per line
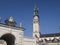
22 10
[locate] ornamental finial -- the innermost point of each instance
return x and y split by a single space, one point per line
20 24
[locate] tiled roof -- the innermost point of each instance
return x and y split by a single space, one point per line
50 35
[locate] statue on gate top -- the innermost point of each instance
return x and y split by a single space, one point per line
10 22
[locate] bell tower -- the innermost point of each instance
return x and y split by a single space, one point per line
36 23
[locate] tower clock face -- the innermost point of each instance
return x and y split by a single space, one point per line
35 17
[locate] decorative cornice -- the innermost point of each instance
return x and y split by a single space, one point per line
17 28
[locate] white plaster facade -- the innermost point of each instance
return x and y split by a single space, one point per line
16 32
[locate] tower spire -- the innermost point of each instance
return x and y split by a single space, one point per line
35 10
36 23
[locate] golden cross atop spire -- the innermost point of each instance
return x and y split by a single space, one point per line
35 5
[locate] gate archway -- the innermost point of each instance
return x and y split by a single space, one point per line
9 38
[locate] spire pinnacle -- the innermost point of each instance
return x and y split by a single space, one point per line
35 10
20 24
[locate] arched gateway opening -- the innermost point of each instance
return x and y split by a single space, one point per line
9 38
